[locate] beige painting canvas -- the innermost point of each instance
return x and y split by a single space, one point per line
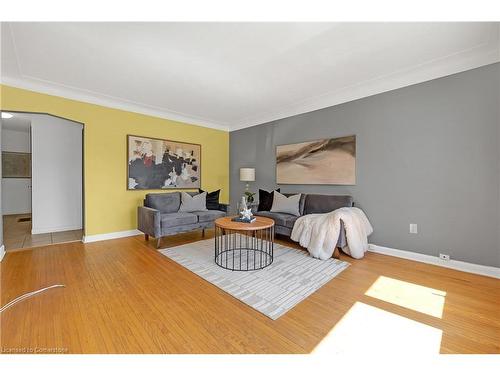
327 162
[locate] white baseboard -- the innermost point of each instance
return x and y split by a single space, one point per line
54 229
2 252
111 236
454 264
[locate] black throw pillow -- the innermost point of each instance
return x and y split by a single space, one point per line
266 199
212 199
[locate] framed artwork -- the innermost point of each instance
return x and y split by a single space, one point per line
155 163
323 162
16 164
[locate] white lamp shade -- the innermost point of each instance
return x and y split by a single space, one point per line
247 174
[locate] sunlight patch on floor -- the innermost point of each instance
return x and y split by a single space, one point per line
368 329
411 296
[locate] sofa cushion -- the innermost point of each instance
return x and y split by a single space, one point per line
266 199
287 205
191 203
163 202
301 202
178 218
321 203
210 215
281 219
212 199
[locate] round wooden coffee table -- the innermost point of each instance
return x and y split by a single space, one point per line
244 246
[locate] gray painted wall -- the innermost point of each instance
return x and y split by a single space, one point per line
426 154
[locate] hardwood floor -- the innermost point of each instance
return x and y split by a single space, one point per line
122 296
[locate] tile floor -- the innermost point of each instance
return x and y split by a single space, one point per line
17 235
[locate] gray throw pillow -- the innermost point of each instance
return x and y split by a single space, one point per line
286 205
190 203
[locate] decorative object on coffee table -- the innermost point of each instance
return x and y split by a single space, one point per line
253 206
244 246
246 216
242 204
240 219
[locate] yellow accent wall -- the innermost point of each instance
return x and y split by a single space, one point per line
109 206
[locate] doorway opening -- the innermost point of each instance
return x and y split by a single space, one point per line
42 180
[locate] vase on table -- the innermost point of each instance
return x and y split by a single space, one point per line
242 204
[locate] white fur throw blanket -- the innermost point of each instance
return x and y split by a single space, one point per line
319 233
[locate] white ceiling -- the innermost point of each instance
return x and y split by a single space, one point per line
20 122
235 75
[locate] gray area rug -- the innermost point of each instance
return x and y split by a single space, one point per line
291 278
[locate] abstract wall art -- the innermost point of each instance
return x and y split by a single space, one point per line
162 164
326 161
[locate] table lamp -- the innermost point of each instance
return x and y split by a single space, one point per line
247 175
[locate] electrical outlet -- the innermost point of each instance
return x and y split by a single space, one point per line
413 228
444 256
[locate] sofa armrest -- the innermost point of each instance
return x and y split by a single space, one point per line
224 207
149 221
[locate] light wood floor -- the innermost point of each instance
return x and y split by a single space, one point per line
17 234
122 296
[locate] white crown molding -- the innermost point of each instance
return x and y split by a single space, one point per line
2 252
429 259
45 87
481 55
111 236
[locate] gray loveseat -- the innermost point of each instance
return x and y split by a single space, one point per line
310 204
160 216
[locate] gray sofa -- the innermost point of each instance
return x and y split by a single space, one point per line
310 204
160 216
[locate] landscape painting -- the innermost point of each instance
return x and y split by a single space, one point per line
162 164
327 161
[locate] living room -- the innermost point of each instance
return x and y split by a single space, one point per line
303 188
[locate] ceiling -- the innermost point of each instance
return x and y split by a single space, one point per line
20 122
234 75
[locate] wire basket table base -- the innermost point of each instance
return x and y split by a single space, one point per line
244 250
